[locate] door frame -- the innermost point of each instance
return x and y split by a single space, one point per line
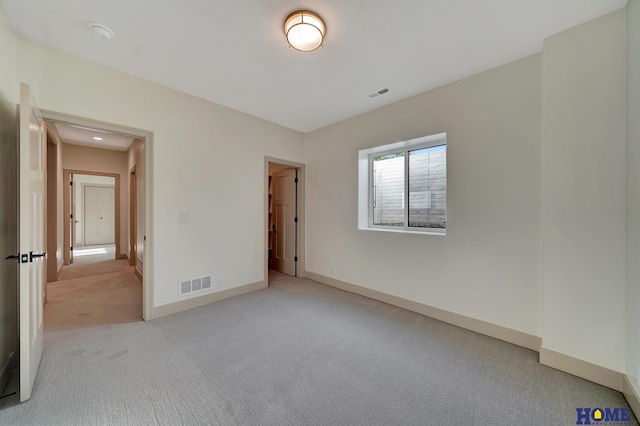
300 208
53 160
133 225
147 139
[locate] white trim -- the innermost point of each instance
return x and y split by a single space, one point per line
631 395
427 231
205 299
421 142
488 329
583 369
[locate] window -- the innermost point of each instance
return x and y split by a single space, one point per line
403 186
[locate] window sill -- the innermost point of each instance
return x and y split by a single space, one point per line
406 231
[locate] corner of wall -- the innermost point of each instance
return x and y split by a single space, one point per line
632 340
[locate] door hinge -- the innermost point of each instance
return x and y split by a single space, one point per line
70 248
295 259
296 181
70 183
295 220
71 216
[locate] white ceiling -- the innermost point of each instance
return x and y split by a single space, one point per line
83 136
234 52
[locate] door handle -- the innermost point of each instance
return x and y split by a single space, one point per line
33 256
24 258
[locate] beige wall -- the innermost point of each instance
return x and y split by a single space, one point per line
135 158
8 64
86 159
8 196
492 264
584 117
488 265
199 148
633 195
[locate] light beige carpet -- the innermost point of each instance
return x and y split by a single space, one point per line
92 295
298 353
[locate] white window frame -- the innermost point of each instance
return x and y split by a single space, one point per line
365 183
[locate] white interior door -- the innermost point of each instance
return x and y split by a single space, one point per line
99 215
284 193
32 240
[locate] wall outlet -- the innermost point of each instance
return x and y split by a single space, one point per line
219 282
184 218
331 271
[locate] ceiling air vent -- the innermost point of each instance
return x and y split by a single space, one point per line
378 93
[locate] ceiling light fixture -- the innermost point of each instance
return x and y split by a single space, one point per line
101 31
97 138
305 30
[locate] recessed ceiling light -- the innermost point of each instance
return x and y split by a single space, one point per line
97 138
101 31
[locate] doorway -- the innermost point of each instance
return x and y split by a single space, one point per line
140 156
92 206
284 217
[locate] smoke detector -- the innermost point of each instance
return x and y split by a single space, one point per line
101 31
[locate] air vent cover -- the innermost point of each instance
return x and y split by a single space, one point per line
378 93
194 286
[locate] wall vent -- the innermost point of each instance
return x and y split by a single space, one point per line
206 283
194 286
378 93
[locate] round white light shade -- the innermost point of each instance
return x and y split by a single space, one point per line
305 30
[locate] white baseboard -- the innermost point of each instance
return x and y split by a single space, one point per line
499 332
631 395
196 302
584 369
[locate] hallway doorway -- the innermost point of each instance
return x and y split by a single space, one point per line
92 204
95 148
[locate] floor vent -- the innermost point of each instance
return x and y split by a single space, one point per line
194 286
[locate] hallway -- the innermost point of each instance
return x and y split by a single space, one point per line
95 294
